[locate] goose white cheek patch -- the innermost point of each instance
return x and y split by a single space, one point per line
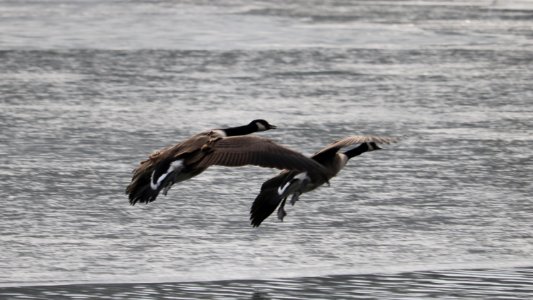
260 127
175 165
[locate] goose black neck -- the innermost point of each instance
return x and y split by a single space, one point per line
357 150
240 130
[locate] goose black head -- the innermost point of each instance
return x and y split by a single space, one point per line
262 125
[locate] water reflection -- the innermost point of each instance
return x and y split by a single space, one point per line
260 296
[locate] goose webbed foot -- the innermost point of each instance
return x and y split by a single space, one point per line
166 188
281 210
281 213
295 197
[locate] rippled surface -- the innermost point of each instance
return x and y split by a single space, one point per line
89 88
459 284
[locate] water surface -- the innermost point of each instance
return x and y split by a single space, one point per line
89 88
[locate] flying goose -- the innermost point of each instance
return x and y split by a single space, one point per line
275 191
225 147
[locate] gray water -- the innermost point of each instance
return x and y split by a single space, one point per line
89 88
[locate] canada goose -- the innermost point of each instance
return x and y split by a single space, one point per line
225 147
289 182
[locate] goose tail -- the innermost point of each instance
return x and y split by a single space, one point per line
139 190
141 193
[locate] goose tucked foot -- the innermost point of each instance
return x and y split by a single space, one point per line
295 197
167 187
281 210
281 213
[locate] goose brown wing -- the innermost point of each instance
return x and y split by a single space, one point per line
264 205
253 150
356 139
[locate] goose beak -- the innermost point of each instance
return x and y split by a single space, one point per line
270 126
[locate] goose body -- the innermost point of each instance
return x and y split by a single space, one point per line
225 147
292 183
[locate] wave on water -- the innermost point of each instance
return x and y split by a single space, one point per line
272 274
474 283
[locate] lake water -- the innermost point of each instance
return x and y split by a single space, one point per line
89 88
